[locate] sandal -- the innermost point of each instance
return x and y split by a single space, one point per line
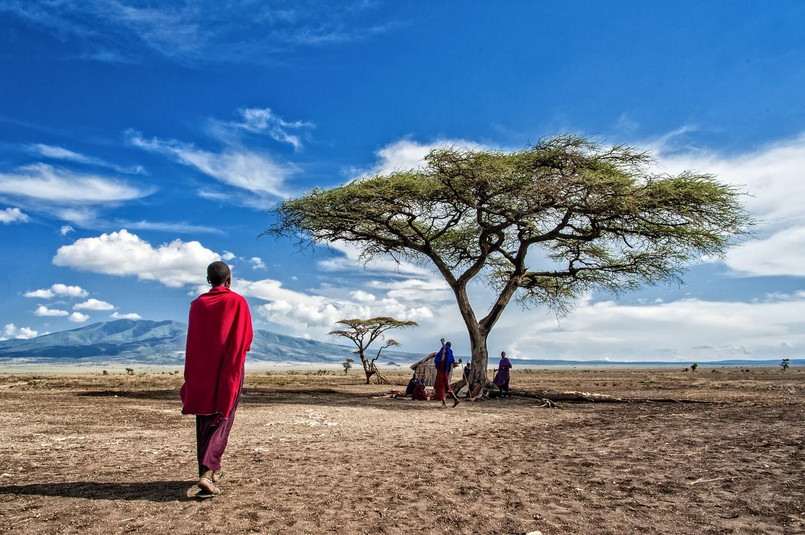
208 487
217 475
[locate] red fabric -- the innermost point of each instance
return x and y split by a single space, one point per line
219 334
420 394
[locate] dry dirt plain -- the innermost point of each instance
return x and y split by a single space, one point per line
325 454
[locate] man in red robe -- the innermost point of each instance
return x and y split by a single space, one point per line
219 334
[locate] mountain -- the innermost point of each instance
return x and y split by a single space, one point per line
159 342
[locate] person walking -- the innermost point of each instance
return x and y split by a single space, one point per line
219 334
444 365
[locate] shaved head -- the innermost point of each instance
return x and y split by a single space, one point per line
218 273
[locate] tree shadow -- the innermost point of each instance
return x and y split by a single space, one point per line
154 491
330 397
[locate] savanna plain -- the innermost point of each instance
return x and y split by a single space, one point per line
320 452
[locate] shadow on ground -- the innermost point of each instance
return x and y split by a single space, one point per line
293 396
154 491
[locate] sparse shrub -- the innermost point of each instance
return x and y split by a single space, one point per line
130 371
693 367
347 364
785 363
105 372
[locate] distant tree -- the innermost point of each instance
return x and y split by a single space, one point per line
544 225
130 371
785 363
693 367
347 364
364 332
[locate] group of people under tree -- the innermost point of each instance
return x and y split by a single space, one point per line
444 361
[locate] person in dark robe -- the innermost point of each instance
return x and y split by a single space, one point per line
412 385
502 376
219 334
419 393
444 365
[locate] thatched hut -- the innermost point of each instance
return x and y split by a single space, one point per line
425 370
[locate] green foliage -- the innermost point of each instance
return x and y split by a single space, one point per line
693 367
543 225
785 363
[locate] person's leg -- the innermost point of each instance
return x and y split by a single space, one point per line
212 440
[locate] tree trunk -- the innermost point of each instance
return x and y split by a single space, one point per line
480 358
367 369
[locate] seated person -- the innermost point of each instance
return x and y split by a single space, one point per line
419 393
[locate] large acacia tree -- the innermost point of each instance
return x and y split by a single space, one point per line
543 225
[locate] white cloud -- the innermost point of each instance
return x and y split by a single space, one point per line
173 264
21 333
242 168
406 154
93 304
351 260
315 312
773 177
362 297
60 289
257 263
51 184
12 215
59 153
65 230
686 330
263 120
78 317
42 293
113 31
42 310
130 316
227 256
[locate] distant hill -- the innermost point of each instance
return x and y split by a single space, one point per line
163 343
159 342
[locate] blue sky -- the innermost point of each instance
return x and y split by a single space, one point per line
141 140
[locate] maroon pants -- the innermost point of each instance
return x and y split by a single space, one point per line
211 439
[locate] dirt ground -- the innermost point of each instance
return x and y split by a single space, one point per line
322 453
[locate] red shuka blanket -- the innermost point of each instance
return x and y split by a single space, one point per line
219 334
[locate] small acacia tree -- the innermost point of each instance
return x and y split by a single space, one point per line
364 332
545 224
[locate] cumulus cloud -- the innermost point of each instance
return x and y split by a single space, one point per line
684 330
93 304
174 264
407 154
59 289
12 215
21 333
772 176
65 230
130 316
78 317
227 256
241 168
257 262
313 313
42 310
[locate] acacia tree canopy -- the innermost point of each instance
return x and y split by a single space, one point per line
544 224
363 332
